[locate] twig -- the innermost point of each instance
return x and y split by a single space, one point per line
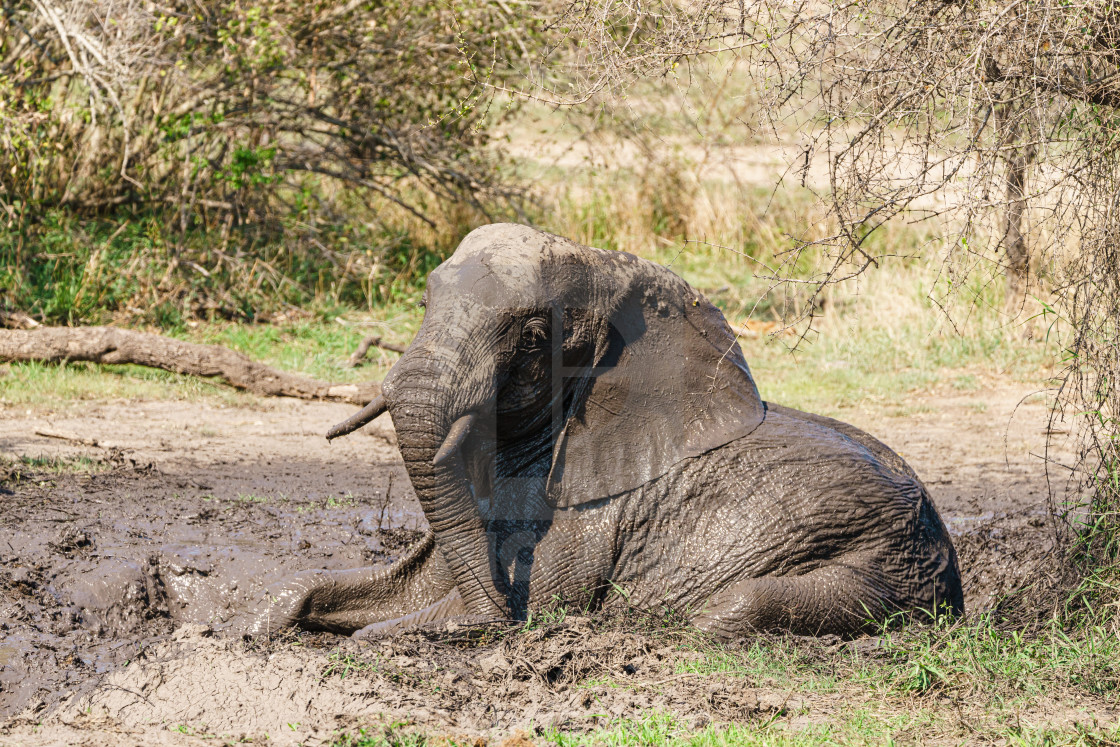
17 320
62 436
372 341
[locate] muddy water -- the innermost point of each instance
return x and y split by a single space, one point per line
95 567
192 510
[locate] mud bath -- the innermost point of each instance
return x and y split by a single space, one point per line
117 582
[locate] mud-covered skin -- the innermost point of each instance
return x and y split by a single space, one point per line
757 559
574 420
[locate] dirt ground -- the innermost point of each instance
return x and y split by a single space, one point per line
123 569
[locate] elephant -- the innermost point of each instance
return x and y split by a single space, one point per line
580 424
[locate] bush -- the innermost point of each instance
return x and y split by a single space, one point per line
323 137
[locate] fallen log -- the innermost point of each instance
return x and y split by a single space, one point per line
111 345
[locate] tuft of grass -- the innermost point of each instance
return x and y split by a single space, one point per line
395 734
250 498
346 501
966 383
63 464
546 618
1094 556
342 664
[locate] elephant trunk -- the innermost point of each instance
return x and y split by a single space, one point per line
431 425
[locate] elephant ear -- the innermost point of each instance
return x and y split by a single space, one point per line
669 382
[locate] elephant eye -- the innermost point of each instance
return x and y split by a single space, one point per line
535 332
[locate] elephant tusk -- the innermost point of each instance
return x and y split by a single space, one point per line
455 437
358 419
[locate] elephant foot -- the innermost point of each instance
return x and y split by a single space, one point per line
833 599
313 600
345 601
451 606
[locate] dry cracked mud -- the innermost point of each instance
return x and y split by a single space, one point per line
135 534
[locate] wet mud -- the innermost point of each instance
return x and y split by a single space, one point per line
124 568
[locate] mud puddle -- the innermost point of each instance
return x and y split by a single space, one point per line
122 564
95 567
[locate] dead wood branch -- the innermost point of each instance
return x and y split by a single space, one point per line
372 341
16 320
116 346
74 437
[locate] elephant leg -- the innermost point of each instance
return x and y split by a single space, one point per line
346 601
838 599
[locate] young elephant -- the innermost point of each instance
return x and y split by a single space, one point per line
576 420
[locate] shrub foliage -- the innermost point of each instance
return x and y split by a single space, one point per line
254 119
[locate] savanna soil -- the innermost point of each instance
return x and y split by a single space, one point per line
134 545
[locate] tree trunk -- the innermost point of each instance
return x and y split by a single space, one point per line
112 345
1014 242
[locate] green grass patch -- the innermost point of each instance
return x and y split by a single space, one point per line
390 736
341 664
250 498
661 728
51 385
860 726
974 657
316 348
135 265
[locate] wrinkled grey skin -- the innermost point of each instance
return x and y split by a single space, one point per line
575 420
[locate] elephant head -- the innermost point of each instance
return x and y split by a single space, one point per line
546 375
